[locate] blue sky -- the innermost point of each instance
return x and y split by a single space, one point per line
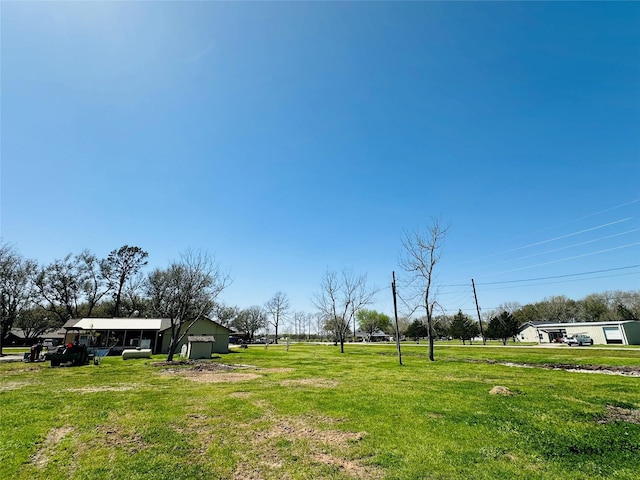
291 138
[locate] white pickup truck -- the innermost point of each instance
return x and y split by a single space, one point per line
578 339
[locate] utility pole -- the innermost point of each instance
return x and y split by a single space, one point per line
395 311
484 340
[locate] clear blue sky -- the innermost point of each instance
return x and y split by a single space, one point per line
288 138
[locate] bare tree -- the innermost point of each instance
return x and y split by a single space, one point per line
299 323
340 297
185 292
120 266
421 253
277 308
16 277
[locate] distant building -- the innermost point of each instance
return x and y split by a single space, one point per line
16 337
626 332
377 336
154 333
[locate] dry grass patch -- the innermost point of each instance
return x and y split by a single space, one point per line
310 382
352 469
13 386
278 370
240 395
316 445
221 377
48 446
104 388
117 437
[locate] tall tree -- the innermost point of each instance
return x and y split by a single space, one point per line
421 253
71 287
503 327
224 314
35 322
417 330
371 321
249 321
16 280
278 309
340 298
594 307
121 265
463 327
185 292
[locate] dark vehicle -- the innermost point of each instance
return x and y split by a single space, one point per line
71 354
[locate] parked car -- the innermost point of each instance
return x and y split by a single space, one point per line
578 339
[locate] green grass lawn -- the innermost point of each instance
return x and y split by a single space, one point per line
314 413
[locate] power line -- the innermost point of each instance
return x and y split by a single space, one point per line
560 276
562 236
569 258
559 281
563 248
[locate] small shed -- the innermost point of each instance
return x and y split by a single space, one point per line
200 346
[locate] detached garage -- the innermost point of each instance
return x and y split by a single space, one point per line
625 332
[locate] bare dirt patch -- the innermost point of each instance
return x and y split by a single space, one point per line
47 448
117 437
316 445
310 382
221 377
207 372
629 371
194 366
619 414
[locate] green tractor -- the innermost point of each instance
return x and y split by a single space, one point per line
70 354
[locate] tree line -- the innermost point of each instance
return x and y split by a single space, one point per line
38 298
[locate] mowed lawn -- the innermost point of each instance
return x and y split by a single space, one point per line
312 412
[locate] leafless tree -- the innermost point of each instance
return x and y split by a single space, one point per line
300 323
277 308
16 282
340 297
185 293
421 253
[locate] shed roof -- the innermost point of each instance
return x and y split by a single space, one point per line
201 338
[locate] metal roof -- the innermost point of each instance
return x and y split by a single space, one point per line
130 323
575 324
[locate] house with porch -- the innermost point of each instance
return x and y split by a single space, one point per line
118 334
